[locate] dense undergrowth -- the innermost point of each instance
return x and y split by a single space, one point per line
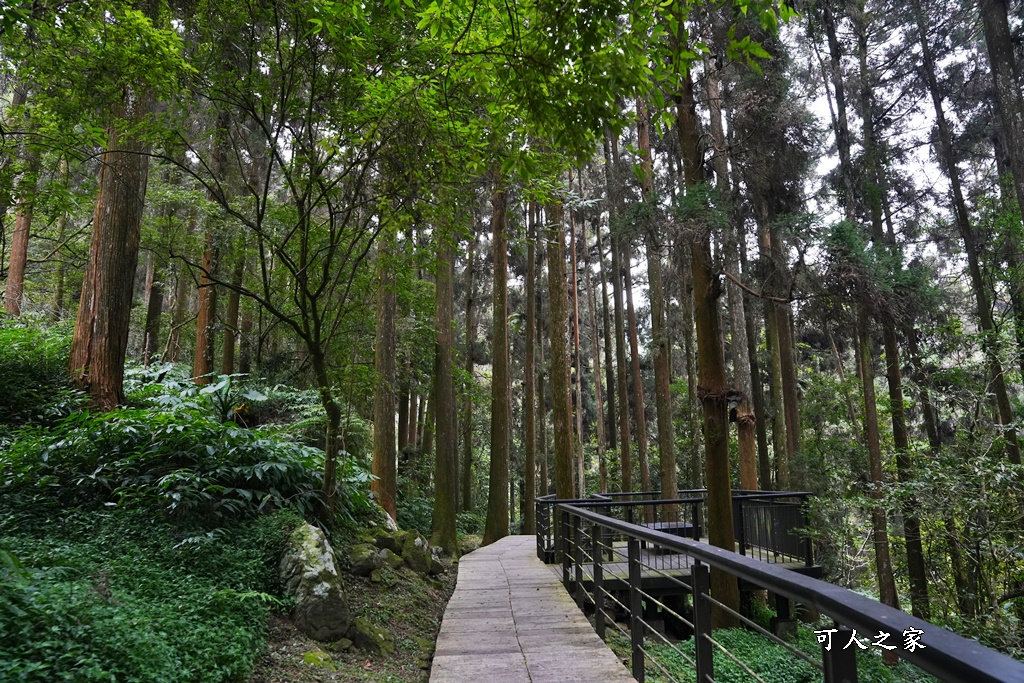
142 544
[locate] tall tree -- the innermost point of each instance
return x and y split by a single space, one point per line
561 392
496 526
530 376
384 466
446 459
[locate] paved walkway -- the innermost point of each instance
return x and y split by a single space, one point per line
511 621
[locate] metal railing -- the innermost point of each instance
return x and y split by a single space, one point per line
609 566
768 525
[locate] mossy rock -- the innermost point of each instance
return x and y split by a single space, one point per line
340 645
416 553
365 559
310 576
392 560
469 542
318 658
371 638
389 540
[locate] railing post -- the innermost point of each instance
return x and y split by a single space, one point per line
636 626
804 522
704 654
840 663
538 507
595 538
577 558
695 519
566 558
737 516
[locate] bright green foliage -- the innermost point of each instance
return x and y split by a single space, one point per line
772 662
33 374
119 597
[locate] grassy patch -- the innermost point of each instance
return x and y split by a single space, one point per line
122 596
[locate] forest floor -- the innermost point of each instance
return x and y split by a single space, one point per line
407 605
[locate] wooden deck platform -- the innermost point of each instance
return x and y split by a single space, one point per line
510 620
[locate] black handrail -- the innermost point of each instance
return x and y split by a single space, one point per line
945 655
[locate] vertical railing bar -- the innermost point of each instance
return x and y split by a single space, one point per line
597 551
840 664
635 611
704 654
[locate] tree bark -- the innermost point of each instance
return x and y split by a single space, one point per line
610 427
104 313
384 466
231 335
659 327
497 496
15 289
529 377
595 352
446 478
581 481
611 167
713 386
879 525
154 308
561 399
639 410
467 401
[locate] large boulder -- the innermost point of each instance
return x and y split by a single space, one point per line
310 575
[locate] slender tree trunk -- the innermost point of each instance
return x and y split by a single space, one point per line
1006 79
467 401
561 407
178 319
530 375
581 481
879 525
154 308
972 241
245 346
611 167
412 426
542 449
497 498
231 334
384 466
694 460
446 460
595 352
15 290
713 387
610 427
404 397
100 340
639 410
659 326
745 419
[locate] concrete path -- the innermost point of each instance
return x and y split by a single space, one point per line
511 621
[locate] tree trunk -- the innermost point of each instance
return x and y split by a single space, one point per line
227 361
15 289
611 426
403 410
972 243
611 167
879 524
467 401
384 466
530 375
1006 79
245 346
497 496
713 386
659 327
595 352
581 481
561 406
154 308
104 313
446 460
639 410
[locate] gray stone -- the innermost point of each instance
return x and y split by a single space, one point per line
311 577
389 540
371 638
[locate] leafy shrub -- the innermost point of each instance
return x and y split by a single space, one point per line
130 602
182 461
33 374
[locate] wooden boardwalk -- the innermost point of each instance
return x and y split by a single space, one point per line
511 621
